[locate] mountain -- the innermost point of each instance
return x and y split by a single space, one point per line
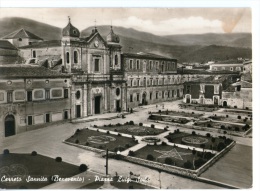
45 31
229 39
186 47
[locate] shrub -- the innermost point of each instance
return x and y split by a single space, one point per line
100 147
115 130
97 130
208 155
235 106
221 146
199 162
152 126
95 125
239 117
127 145
34 153
236 128
108 132
226 116
58 159
105 125
247 108
159 111
155 143
187 165
208 134
6 152
131 123
192 112
222 126
77 141
193 133
83 168
178 130
118 124
164 143
119 135
136 141
110 125
165 129
140 124
150 157
87 143
78 130
209 125
195 123
168 161
131 153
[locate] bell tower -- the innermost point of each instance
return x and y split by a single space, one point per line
70 52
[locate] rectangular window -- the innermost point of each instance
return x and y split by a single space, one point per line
131 82
162 94
137 97
29 95
151 95
138 81
30 120
66 93
96 67
156 95
150 65
47 118
2 96
131 64
9 97
137 64
131 98
47 94
34 54
66 115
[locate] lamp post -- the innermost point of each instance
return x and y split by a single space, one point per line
160 178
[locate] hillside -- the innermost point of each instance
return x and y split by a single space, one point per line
186 47
45 31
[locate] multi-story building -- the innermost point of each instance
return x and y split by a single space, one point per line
150 79
31 97
229 65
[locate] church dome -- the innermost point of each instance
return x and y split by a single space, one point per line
70 31
112 37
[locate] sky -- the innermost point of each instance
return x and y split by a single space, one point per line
159 21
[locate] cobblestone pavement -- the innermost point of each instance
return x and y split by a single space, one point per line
48 141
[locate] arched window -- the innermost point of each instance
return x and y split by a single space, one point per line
68 57
116 59
117 91
75 57
78 94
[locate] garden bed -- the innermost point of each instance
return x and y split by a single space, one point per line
178 113
132 129
25 165
157 117
199 141
99 140
173 155
232 119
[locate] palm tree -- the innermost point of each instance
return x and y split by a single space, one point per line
194 153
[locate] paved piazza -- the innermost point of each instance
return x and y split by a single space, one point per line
49 142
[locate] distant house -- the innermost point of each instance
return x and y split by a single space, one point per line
248 66
189 66
230 65
22 37
207 90
8 52
238 95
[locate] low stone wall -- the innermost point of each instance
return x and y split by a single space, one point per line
164 167
214 159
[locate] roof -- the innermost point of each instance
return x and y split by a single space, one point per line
21 33
232 61
211 79
43 44
243 84
199 71
247 62
70 30
147 55
4 44
247 76
28 71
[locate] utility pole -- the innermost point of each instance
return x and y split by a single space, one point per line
106 162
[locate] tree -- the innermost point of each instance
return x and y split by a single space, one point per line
150 157
169 161
194 154
187 164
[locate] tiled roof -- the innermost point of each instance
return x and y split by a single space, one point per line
28 71
232 61
146 55
4 44
22 33
43 44
244 84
